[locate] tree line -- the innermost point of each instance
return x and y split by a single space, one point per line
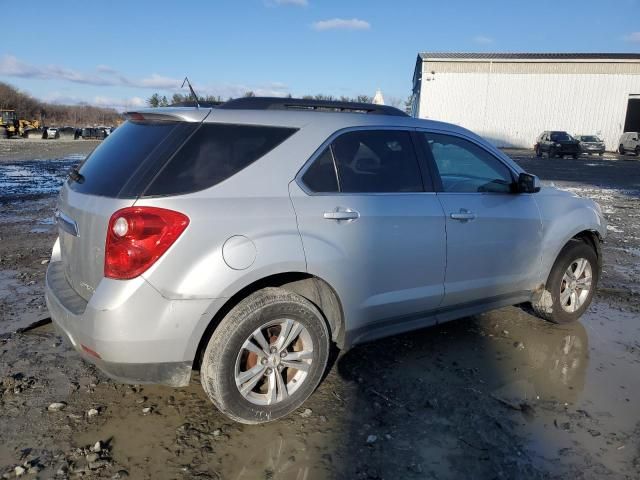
29 108
157 100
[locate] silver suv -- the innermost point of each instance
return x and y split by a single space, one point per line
246 239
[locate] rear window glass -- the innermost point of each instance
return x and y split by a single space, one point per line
121 163
214 153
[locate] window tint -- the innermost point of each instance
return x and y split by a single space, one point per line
465 167
213 154
119 159
321 175
376 161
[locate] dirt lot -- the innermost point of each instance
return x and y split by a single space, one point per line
501 395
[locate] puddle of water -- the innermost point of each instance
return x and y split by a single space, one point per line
34 177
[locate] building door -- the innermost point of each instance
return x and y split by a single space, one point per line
632 121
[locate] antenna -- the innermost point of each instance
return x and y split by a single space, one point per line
186 80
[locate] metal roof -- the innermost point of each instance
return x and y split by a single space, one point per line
466 56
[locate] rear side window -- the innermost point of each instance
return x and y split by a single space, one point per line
368 161
214 153
121 159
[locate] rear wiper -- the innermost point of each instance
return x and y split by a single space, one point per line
75 175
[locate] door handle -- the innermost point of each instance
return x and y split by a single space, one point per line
464 215
342 214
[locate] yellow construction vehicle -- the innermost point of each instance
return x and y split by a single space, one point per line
29 128
9 125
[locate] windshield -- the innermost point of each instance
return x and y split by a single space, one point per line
8 117
589 138
561 137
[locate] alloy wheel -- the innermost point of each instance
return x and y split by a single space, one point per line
575 285
273 362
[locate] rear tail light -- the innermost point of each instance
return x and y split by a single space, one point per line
137 237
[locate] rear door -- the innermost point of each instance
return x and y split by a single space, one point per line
372 227
493 235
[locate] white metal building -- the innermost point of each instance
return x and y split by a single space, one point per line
511 98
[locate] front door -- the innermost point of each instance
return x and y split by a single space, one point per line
370 229
493 235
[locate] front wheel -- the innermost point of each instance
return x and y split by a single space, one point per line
571 284
638 151
621 149
266 357
538 151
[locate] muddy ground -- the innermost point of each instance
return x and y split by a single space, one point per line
500 395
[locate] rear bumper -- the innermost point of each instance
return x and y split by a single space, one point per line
127 329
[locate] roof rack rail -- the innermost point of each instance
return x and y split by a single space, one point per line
279 103
192 103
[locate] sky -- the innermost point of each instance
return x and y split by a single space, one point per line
117 53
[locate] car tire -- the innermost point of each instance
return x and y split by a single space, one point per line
275 388
621 149
638 151
551 153
538 152
575 156
601 153
557 302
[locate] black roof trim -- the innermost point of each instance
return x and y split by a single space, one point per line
191 103
529 56
279 103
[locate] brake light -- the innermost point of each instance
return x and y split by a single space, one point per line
137 237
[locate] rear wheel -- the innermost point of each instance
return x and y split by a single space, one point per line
266 357
638 151
538 151
571 284
621 149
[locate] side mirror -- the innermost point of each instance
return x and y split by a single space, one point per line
528 183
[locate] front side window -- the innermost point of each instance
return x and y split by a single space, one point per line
464 167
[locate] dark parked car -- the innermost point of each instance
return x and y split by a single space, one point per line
590 144
557 143
98 133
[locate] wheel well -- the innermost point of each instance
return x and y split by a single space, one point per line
592 239
313 288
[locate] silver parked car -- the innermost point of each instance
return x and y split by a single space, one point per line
591 144
246 239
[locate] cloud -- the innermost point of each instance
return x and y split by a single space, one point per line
341 24
107 76
482 40
120 104
633 37
297 3
13 67
105 69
